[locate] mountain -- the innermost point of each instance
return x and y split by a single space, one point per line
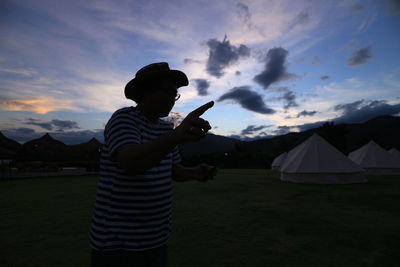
88 151
45 148
384 130
9 144
93 145
210 144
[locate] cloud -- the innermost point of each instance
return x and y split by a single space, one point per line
349 107
289 99
201 86
358 112
190 61
324 77
279 89
360 56
223 54
19 71
274 69
244 15
61 125
251 129
175 118
45 125
350 44
37 105
305 113
283 129
65 124
356 7
394 6
302 18
247 99
315 60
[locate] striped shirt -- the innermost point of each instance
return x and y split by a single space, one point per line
132 212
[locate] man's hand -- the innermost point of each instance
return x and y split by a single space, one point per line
204 172
193 127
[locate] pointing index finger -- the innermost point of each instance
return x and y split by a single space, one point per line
200 110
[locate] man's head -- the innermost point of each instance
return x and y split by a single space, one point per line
152 78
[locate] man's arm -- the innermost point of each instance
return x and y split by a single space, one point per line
136 158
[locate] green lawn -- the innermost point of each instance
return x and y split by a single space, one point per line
243 218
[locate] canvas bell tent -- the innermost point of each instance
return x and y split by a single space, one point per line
278 161
315 161
375 160
395 153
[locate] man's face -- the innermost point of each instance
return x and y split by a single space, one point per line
162 100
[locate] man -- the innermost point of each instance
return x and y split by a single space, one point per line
131 219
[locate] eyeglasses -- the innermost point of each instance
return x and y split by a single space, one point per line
173 93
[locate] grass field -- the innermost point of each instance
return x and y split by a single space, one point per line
243 218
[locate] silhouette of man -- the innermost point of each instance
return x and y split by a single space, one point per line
131 219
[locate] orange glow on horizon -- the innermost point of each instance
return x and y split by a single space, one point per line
38 105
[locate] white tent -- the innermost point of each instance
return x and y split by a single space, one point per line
375 160
278 161
395 153
315 161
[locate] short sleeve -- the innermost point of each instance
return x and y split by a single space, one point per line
121 130
176 156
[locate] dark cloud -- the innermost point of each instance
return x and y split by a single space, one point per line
308 126
223 54
356 7
190 61
360 56
275 69
289 99
305 113
45 125
324 77
201 86
23 135
302 18
248 138
358 112
237 73
251 129
279 89
349 107
65 125
351 44
244 15
394 6
280 130
247 99
315 60
61 125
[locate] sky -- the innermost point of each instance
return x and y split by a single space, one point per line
270 66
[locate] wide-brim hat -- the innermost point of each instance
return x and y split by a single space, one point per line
150 74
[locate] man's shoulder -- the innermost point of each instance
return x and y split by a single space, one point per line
126 112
